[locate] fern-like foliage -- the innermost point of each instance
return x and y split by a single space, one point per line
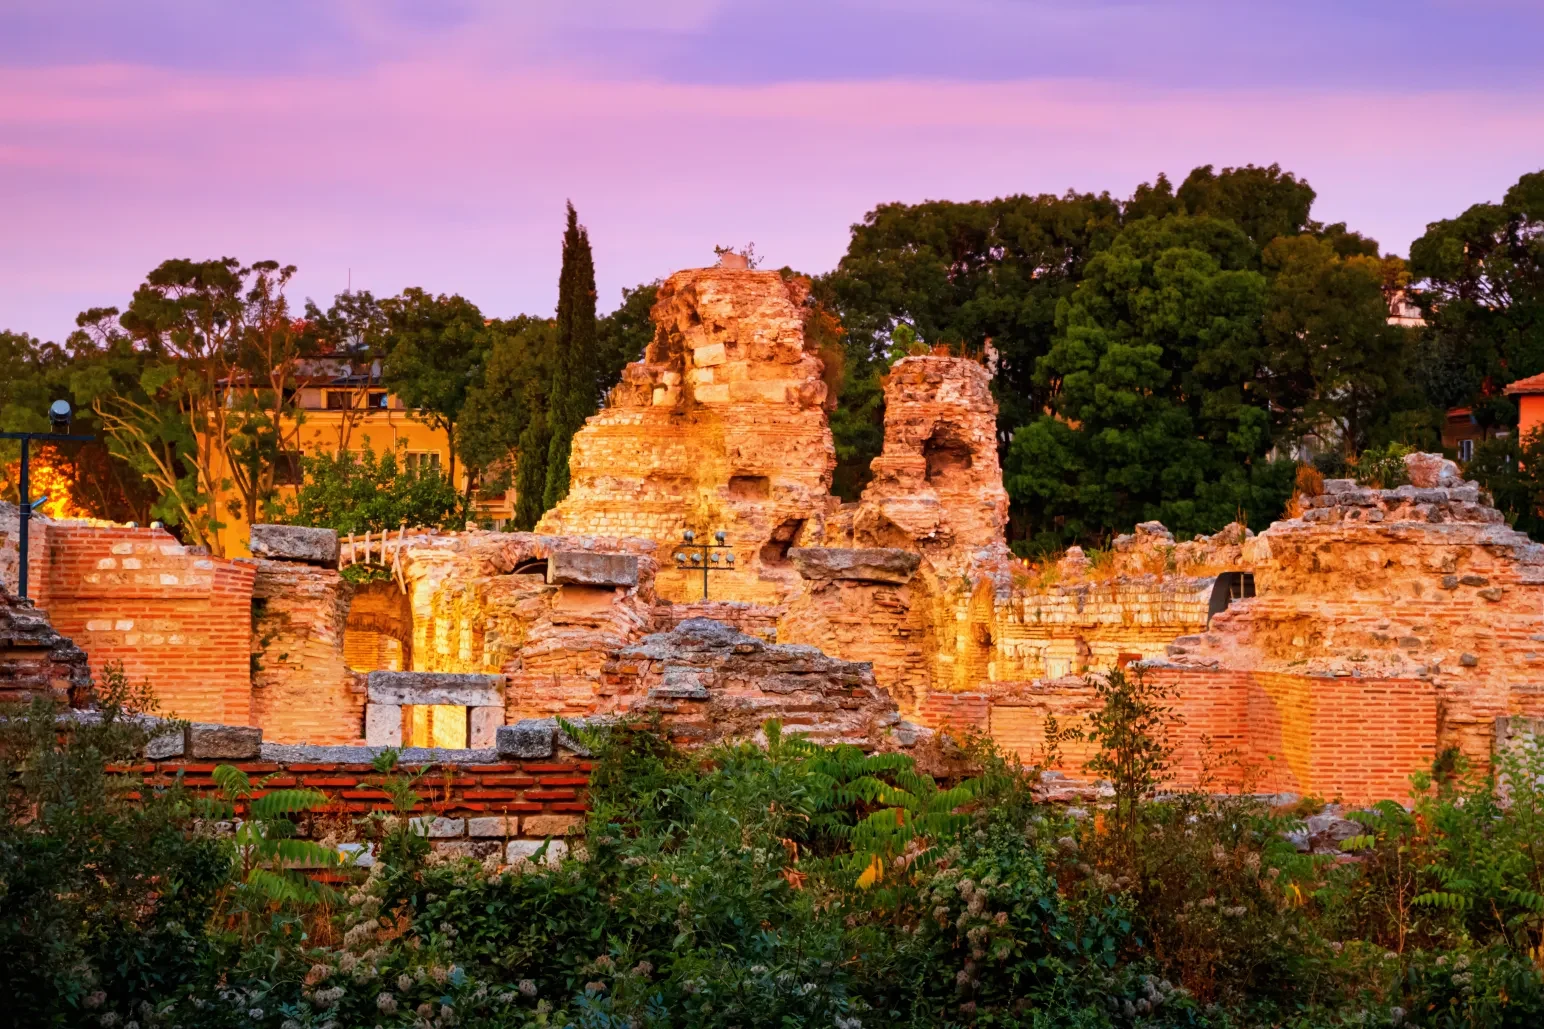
269 861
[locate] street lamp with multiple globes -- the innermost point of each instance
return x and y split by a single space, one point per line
710 557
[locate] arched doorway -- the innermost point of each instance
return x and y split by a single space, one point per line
379 633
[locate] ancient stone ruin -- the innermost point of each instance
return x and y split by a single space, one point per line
1331 653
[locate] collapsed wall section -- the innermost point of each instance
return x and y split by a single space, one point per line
35 660
721 426
1424 582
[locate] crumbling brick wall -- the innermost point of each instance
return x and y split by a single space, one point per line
1424 582
481 603
173 616
1269 732
302 690
35 660
721 425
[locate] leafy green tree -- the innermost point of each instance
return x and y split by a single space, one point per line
1479 280
1264 202
1152 374
361 491
574 360
1331 360
34 374
512 391
622 335
438 345
966 274
215 402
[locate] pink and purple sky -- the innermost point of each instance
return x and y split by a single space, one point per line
401 143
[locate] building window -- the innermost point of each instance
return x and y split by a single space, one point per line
338 400
422 462
288 469
1466 450
376 400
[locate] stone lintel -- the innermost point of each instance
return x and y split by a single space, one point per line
588 568
417 688
206 741
295 543
858 564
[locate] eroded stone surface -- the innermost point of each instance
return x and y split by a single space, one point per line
858 564
227 742
34 659
721 426
295 543
587 568
710 682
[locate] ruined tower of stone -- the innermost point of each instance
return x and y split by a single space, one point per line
721 426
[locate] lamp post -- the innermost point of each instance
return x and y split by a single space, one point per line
59 415
710 557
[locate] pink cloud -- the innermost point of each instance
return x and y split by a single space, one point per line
452 175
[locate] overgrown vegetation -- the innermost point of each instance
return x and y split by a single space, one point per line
362 491
781 885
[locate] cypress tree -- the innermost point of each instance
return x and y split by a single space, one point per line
531 466
573 396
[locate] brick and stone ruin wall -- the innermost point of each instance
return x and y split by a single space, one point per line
1332 653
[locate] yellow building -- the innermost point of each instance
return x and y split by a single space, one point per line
349 410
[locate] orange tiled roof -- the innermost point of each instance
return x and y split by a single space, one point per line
1532 384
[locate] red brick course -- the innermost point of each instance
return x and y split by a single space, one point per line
448 791
180 620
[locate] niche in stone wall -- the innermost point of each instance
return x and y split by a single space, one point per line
948 455
378 635
750 487
774 553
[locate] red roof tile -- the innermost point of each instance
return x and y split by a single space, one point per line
1532 384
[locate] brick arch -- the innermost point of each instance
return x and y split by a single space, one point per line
382 610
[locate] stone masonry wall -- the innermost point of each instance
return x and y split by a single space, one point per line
721 425
1424 582
302 691
473 803
34 659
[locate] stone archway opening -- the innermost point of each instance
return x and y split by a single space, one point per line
1229 587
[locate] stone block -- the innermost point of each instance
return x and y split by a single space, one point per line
1339 485
587 568
519 852
383 725
859 564
479 850
529 739
227 742
441 828
464 689
484 726
1432 470
710 355
551 825
717 393
168 744
493 825
295 543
